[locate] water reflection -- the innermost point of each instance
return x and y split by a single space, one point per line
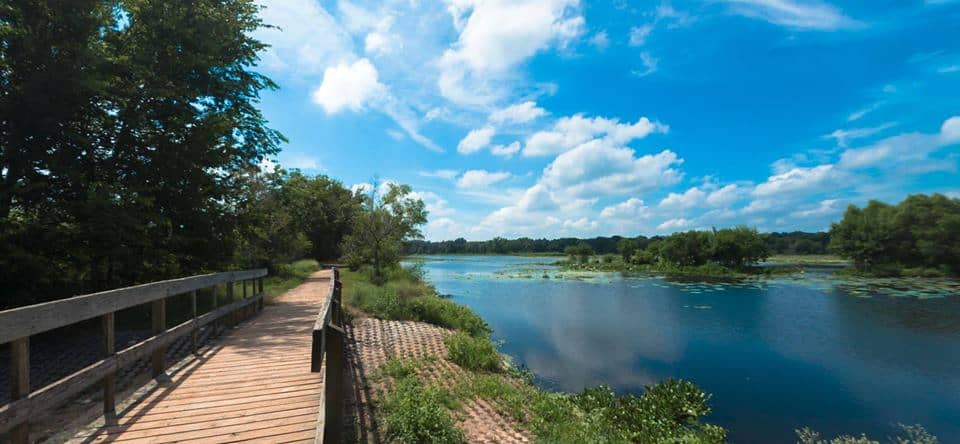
775 354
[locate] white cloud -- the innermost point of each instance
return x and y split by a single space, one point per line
649 65
726 196
580 224
797 180
520 113
796 14
395 135
639 34
296 48
632 208
481 178
596 169
827 207
600 40
476 140
895 150
505 150
842 136
441 174
381 41
858 114
435 205
569 132
674 224
689 199
497 35
349 86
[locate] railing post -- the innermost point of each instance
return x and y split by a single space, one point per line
109 381
231 317
20 384
332 385
194 336
262 296
159 317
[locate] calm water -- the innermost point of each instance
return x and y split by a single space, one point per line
776 355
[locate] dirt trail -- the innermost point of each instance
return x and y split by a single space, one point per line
372 342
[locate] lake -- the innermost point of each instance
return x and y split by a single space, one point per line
837 355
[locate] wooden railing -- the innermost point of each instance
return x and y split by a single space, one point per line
329 338
17 325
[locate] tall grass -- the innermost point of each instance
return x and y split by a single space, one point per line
407 297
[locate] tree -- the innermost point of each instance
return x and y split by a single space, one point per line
686 249
582 251
736 247
865 235
324 209
382 226
627 248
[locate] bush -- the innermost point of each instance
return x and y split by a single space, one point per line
473 353
417 414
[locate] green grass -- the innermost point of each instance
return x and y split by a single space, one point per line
406 297
415 413
288 277
473 353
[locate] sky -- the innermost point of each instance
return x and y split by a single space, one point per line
555 118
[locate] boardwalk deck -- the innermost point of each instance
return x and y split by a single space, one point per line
255 386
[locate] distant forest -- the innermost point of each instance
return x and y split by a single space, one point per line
796 242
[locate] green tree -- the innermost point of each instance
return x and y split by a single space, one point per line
687 249
324 209
382 226
581 251
627 248
736 247
866 235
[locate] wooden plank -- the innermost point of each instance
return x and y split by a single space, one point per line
20 410
25 321
20 384
110 380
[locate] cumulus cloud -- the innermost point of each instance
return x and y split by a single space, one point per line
520 113
632 208
826 207
569 132
893 150
725 197
349 86
476 140
497 35
639 34
689 199
481 178
600 40
797 180
843 136
795 14
599 169
674 224
296 48
506 151
580 224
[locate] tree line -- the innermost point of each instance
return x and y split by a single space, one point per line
779 243
918 236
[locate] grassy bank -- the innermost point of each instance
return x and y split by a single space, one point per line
418 410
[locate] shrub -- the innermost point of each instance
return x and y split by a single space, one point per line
473 353
417 414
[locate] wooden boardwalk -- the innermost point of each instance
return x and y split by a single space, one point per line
254 386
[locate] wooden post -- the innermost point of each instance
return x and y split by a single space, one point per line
159 317
262 296
246 310
109 381
232 316
20 384
194 336
333 385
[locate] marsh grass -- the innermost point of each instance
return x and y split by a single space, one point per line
406 297
476 353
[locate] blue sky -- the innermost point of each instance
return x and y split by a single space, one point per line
580 118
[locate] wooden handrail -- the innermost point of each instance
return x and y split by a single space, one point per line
32 319
329 340
18 324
